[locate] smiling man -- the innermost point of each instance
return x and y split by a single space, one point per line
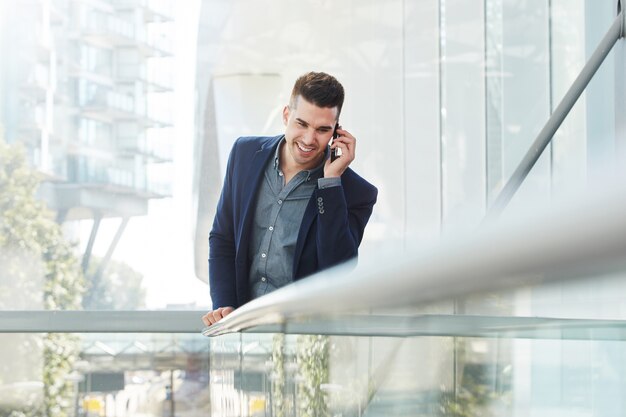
288 210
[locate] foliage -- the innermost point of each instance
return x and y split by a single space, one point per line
27 226
279 407
313 362
475 395
118 287
472 399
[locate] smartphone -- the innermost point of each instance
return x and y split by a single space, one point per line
335 153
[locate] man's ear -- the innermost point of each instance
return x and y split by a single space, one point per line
285 115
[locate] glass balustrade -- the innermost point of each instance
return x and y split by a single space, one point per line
538 329
94 374
548 350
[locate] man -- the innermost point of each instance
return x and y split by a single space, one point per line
286 210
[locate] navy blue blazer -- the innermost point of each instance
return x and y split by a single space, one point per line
330 233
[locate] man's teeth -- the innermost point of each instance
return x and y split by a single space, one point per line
303 149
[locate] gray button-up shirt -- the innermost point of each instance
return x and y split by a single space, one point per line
277 218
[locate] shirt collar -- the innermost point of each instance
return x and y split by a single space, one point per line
315 172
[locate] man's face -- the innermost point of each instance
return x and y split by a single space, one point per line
308 130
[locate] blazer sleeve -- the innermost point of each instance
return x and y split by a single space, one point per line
341 225
222 248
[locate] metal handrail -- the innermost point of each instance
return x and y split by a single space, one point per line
615 32
581 238
56 321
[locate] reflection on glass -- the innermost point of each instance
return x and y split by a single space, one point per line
312 375
104 374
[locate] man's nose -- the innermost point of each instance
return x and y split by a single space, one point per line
309 136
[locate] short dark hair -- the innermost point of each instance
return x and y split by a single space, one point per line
320 89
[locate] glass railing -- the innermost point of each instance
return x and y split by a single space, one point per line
522 318
144 364
161 8
451 366
119 32
108 26
155 147
107 100
155 77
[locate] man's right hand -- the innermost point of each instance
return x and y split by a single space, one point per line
214 316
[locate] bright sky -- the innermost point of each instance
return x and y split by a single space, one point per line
160 245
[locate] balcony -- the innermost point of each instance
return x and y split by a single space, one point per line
108 106
155 149
502 322
112 177
155 10
155 79
108 30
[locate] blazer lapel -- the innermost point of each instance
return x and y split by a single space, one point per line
250 188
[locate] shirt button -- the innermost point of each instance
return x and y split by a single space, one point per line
280 173
280 201
271 228
263 255
263 279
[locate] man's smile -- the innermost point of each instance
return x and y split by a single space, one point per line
304 149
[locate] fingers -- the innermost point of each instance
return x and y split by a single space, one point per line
347 143
206 319
214 316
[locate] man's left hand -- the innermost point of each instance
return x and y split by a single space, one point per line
216 315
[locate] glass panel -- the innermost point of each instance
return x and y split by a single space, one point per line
104 374
422 150
301 375
585 145
437 364
518 95
568 57
462 109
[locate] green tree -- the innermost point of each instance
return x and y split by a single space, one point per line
29 232
118 288
313 357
